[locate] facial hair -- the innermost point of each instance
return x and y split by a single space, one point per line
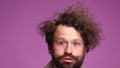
58 64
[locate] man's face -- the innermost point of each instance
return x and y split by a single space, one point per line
68 48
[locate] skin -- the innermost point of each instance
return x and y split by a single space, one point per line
68 45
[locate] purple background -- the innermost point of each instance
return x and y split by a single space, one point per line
22 47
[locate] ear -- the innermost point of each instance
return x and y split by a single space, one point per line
50 50
86 50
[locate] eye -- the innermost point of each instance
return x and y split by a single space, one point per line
61 43
76 43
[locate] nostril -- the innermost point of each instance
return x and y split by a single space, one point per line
68 50
68 53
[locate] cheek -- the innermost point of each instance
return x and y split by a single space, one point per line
58 51
80 52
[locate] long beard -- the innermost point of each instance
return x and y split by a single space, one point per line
58 64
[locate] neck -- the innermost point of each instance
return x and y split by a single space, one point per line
54 66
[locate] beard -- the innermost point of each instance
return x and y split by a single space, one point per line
59 64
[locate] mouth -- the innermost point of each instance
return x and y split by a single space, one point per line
68 59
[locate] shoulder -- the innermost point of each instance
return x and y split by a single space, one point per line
49 65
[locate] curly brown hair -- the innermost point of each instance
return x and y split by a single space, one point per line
78 17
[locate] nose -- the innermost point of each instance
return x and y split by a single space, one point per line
68 49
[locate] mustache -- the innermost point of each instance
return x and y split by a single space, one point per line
70 55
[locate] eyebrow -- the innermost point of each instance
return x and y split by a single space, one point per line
65 39
60 39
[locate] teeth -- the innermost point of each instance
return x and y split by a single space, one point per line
68 59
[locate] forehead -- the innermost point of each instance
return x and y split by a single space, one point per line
67 32
66 29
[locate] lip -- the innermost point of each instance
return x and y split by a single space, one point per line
68 59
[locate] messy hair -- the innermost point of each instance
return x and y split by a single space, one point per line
75 16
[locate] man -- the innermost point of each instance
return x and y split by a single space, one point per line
70 36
